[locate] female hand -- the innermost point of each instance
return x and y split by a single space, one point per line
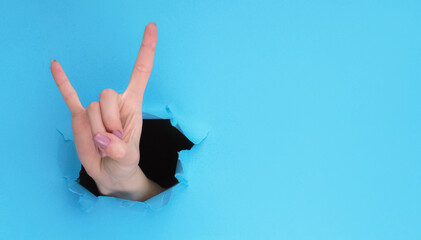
107 133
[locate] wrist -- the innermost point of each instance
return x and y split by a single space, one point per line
136 188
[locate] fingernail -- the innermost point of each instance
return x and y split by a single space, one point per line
118 133
152 23
101 141
101 153
53 61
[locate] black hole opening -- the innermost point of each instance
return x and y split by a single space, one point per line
159 145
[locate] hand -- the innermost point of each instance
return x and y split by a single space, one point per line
107 133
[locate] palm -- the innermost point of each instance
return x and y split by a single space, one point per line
113 113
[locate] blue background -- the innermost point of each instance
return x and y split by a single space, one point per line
312 112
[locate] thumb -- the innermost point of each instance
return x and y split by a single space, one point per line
114 147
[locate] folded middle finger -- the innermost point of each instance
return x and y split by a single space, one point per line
109 102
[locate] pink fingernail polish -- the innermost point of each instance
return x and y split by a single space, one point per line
118 133
101 141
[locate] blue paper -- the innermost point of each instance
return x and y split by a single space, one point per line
306 117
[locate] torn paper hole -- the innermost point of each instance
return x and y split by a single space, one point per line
70 165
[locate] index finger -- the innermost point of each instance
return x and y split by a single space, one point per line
67 91
144 61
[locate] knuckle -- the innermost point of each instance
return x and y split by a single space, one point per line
93 106
150 45
120 153
63 84
70 95
107 93
110 122
141 67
